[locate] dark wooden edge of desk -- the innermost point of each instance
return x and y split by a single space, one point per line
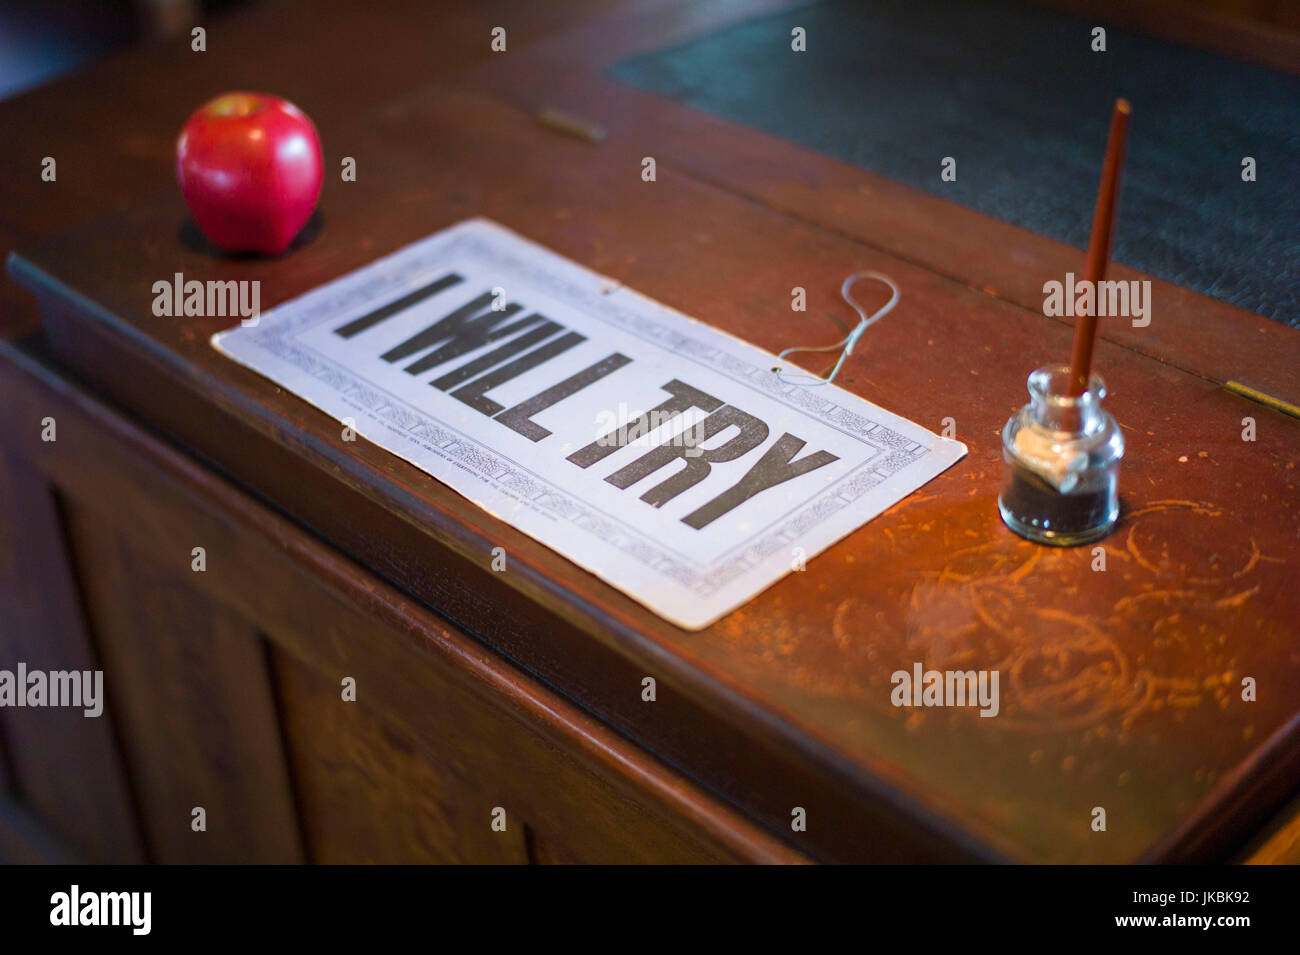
1228 817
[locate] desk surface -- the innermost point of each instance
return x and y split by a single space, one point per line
1122 686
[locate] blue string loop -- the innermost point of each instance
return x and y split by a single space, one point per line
847 343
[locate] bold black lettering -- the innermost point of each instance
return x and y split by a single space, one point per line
358 325
497 355
519 417
473 393
684 397
753 432
773 468
471 326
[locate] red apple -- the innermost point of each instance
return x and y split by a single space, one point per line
250 169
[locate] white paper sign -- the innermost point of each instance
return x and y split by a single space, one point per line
658 453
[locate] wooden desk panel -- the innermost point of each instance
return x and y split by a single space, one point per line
43 626
188 683
246 661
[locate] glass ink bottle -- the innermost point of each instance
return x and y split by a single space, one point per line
1061 458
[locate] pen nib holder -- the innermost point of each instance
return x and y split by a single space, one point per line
1061 456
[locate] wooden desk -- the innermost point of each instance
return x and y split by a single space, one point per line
329 559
